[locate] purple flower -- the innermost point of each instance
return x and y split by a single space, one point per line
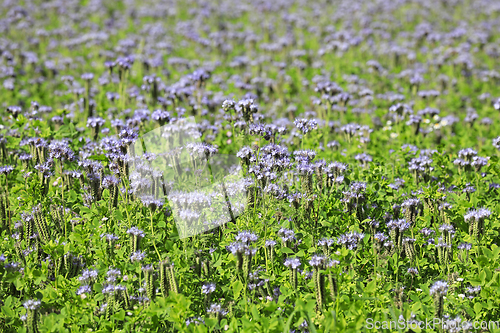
88 275
350 239
228 105
464 246
85 289
61 150
87 76
270 243
6 169
136 232
32 304
95 122
110 181
137 256
306 125
208 288
439 288
247 237
292 263
317 260
195 321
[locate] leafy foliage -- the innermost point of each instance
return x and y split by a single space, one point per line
367 137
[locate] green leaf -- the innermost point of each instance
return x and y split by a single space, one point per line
8 301
255 312
496 252
8 311
477 308
469 311
366 239
488 273
371 286
100 157
120 315
72 196
118 215
84 210
487 252
237 287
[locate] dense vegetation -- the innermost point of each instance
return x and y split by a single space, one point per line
367 138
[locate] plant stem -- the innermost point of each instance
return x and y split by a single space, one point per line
153 235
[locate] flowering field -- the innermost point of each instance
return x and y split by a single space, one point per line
255 166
